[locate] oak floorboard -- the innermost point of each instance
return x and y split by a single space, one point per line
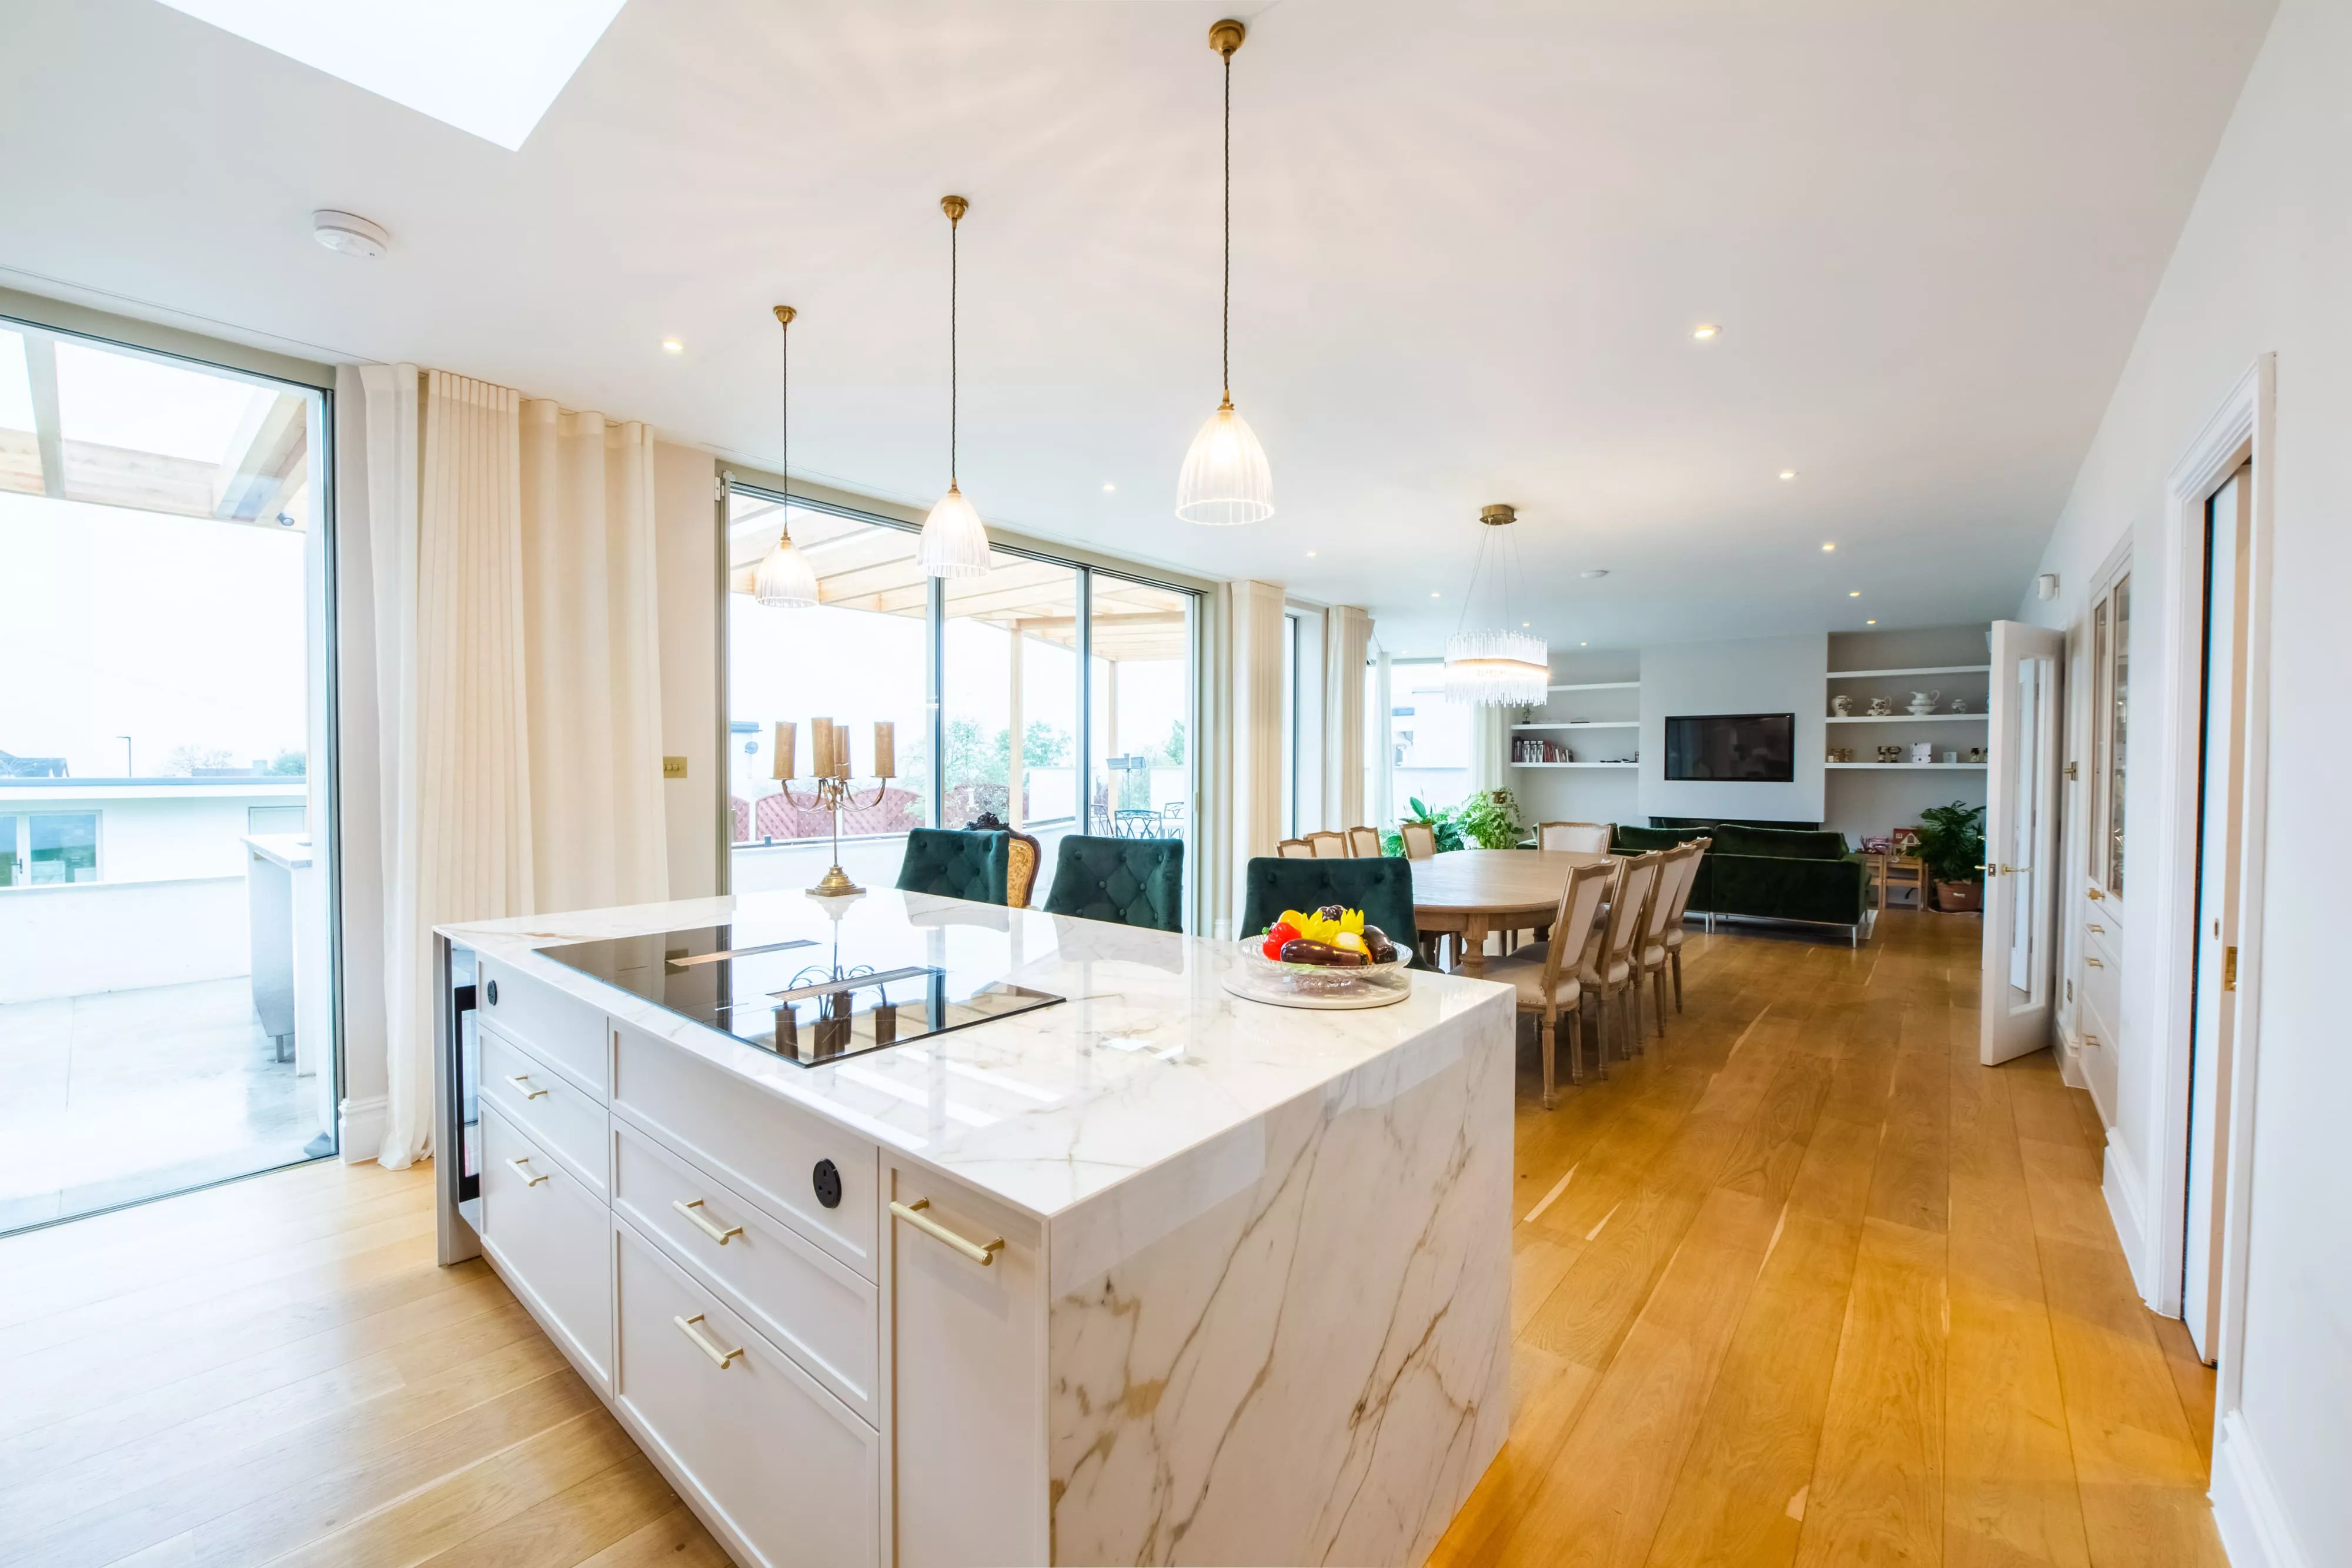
1783 1233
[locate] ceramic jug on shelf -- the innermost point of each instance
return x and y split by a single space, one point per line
1842 705
1880 707
1923 702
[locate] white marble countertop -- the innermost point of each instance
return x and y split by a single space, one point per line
1149 1056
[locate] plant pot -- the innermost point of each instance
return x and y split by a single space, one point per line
1960 897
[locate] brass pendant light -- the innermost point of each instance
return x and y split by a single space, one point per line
1225 479
785 581
954 542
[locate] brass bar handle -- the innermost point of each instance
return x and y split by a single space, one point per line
720 1358
2093 963
2093 893
521 1080
980 1252
702 1221
2099 928
527 1179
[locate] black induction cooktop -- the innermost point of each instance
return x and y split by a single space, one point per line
810 999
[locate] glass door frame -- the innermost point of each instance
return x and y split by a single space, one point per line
733 482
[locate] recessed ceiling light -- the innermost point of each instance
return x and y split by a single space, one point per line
1584 644
1788 473
1592 571
1830 546
672 346
492 70
1109 488
1310 555
1704 330
348 233
1523 622
1870 623
1855 594
1432 596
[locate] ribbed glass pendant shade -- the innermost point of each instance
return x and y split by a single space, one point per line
954 542
786 579
1508 669
1225 480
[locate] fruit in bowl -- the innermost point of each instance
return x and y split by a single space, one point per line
1332 937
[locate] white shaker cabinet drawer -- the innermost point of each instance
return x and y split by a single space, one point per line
561 1028
793 1474
552 1241
784 1159
819 1311
556 1113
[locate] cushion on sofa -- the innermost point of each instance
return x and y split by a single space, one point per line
1779 843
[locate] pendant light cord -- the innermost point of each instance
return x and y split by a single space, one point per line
1225 314
954 228
784 413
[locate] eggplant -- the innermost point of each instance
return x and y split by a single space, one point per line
1300 950
1377 942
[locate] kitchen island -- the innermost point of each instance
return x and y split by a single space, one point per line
1135 1271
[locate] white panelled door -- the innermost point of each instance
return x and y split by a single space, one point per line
2021 841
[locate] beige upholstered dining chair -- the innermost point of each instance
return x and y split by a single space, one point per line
1674 868
1294 850
1550 982
1611 970
1584 837
1698 848
1328 845
1364 843
1420 840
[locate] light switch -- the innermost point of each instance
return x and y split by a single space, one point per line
672 767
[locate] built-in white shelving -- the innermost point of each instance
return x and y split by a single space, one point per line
1600 686
1585 723
1575 765
1907 766
1906 718
1926 670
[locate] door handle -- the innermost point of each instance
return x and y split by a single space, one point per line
702 1222
983 1253
527 1179
520 1081
2093 894
720 1358
2094 963
2229 968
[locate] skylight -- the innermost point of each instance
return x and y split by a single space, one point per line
487 66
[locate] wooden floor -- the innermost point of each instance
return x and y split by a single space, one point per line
1802 1284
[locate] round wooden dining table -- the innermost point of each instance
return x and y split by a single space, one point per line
1466 893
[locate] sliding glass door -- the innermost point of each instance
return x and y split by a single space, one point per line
1048 696
167 990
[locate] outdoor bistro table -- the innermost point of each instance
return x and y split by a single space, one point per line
1466 893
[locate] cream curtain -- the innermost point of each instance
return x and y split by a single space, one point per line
592 640
1255 629
1490 745
514 688
1347 633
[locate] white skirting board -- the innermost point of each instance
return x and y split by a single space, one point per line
2128 1206
362 1131
2254 1528
2068 1049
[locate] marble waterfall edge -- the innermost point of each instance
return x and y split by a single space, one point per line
1292 1343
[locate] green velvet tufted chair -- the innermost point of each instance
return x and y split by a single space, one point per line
956 864
1381 888
1134 881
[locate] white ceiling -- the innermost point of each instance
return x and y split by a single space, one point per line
1472 242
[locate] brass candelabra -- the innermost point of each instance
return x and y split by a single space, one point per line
829 745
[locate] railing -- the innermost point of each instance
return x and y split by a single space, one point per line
76 938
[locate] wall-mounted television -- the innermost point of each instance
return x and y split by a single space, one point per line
1732 748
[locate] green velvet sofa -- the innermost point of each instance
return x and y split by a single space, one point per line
1768 873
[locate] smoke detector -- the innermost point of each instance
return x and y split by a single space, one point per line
1591 572
348 233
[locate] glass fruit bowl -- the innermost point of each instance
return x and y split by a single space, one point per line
1264 980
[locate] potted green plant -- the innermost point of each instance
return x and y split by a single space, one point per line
1490 818
1442 823
1952 847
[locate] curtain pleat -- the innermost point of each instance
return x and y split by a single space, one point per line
1347 635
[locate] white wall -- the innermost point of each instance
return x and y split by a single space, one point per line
685 563
2263 265
149 832
1763 675
86 938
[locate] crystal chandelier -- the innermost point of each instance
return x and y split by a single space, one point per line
954 542
786 579
1225 479
1496 666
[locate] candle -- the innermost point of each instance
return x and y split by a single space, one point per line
821 747
786 741
842 767
886 755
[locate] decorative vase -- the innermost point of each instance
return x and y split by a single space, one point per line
1959 705
1842 705
1880 707
1923 702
